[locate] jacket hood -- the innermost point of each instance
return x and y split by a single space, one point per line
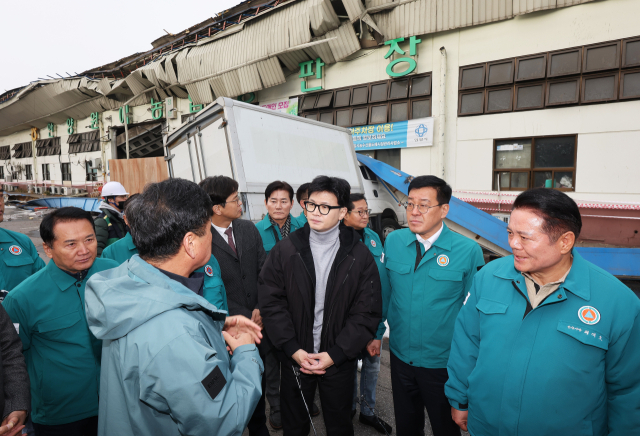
104 206
121 299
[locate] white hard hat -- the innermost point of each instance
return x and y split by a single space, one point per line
113 189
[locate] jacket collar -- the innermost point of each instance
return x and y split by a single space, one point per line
577 282
443 242
129 241
268 224
5 236
63 280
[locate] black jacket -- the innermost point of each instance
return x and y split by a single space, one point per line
240 272
353 301
14 379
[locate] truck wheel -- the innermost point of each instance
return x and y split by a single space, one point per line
388 226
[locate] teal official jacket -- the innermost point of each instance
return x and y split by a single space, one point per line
213 290
62 356
301 220
18 259
165 366
424 300
569 367
372 241
270 234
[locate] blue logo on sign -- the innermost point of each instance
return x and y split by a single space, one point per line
421 130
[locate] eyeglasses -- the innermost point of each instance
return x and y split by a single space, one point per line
237 201
422 208
362 213
323 208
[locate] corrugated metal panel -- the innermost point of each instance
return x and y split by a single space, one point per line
355 9
415 18
453 14
104 87
178 91
565 3
137 83
346 42
375 3
323 51
369 20
249 79
526 6
322 16
486 11
293 58
270 72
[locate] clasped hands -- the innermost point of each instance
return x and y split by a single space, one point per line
13 424
239 330
312 363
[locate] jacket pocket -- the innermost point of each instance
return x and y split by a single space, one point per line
397 267
14 261
489 307
446 274
59 323
584 333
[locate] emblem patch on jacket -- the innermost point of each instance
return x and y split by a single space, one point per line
15 250
589 315
443 260
208 270
214 382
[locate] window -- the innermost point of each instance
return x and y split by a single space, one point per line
5 152
28 171
92 173
84 142
45 172
372 103
48 147
597 73
524 163
1 172
22 150
66 172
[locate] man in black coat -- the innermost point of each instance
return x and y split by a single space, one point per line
15 396
237 246
320 300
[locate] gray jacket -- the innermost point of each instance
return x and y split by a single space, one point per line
14 379
240 272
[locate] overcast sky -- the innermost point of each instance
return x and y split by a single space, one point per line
41 37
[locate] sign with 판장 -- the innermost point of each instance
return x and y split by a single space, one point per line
401 134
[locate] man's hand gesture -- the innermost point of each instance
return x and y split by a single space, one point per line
239 330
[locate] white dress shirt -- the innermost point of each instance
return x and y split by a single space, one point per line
429 241
221 231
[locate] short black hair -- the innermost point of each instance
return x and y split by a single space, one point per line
559 212
128 201
278 185
335 185
62 214
163 213
443 190
302 192
219 188
353 198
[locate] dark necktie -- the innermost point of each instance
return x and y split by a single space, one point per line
229 233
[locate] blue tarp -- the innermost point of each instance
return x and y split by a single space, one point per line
617 261
88 204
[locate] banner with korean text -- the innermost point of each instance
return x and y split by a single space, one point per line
401 134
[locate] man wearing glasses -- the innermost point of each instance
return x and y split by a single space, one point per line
431 270
237 246
358 218
321 303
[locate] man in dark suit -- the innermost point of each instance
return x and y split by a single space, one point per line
237 246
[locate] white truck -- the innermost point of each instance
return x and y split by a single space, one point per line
256 146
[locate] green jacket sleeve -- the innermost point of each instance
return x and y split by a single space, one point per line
464 350
102 234
386 294
38 263
623 382
16 312
203 391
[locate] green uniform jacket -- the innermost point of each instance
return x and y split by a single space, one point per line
62 356
372 241
109 229
213 290
270 234
424 301
165 368
569 367
301 220
18 259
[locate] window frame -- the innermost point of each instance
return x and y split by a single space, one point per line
474 91
400 79
503 61
386 104
586 48
407 102
422 98
596 76
578 79
359 86
525 58
486 100
532 169
335 94
563 51
621 84
420 76
359 107
46 172
542 84
623 63
471 67
68 173
380 82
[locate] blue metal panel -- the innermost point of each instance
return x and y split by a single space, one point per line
88 204
617 261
